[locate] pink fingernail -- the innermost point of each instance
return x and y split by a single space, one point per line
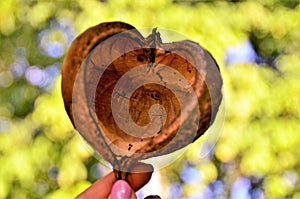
121 190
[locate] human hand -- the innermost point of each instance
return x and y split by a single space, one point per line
109 187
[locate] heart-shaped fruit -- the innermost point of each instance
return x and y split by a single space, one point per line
133 98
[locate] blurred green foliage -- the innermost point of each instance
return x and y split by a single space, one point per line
258 151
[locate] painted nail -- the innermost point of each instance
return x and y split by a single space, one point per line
121 190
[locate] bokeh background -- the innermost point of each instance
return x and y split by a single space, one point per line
257 45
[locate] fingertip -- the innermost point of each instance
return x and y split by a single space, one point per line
153 197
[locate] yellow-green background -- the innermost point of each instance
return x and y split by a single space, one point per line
42 157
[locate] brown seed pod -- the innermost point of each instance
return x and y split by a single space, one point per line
134 98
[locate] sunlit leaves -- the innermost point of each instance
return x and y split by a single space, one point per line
277 186
40 12
7 18
49 113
